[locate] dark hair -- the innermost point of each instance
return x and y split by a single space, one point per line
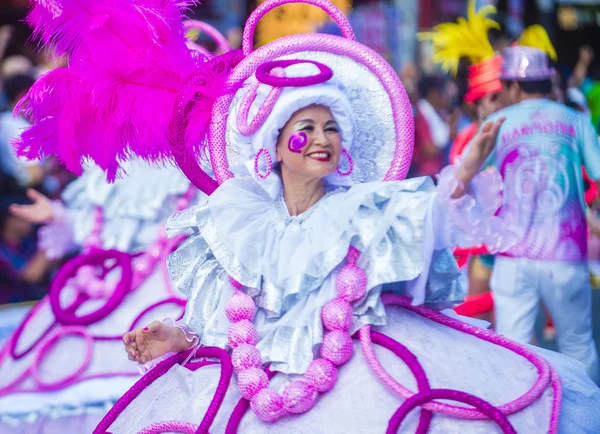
430 83
534 86
17 85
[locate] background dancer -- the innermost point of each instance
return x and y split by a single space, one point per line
540 149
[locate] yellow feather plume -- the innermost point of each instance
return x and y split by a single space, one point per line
536 37
465 38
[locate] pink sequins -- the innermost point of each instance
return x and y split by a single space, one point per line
337 347
268 405
239 307
251 381
299 396
245 356
322 374
351 283
242 332
337 315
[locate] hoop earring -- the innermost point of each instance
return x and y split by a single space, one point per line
350 164
268 161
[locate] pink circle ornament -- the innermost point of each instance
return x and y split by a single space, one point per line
322 374
337 347
337 315
350 169
240 306
351 283
268 405
251 381
297 141
263 74
299 396
245 356
242 332
268 161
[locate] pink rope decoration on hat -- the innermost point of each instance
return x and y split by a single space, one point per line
260 11
263 74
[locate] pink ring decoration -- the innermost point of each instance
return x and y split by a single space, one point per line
421 398
260 11
297 141
45 348
401 107
460 412
94 257
263 74
212 32
14 339
264 110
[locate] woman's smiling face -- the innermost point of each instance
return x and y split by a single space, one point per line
320 156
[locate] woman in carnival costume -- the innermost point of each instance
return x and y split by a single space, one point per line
289 258
64 362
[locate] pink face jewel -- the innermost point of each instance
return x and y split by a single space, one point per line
297 141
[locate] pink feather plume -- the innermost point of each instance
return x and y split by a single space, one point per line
129 64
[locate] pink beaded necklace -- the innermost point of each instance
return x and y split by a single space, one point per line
300 395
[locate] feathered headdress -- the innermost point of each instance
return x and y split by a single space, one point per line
465 38
130 75
468 38
535 36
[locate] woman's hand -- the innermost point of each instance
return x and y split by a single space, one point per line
480 149
158 339
39 212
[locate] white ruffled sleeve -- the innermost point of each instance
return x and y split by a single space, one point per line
471 220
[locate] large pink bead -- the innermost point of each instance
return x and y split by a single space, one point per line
251 381
337 315
322 374
240 306
242 332
245 357
337 347
351 283
268 405
299 396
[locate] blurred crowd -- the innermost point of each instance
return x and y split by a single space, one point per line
24 270
438 106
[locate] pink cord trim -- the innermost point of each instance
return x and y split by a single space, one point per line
248 129
162 368
423 397
260 11
460 412
45 349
